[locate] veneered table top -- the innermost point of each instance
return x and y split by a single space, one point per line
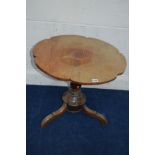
79 59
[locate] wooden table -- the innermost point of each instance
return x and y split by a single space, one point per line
82 61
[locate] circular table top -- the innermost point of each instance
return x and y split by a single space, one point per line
79 59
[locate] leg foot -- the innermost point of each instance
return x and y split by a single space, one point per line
54 115
101 118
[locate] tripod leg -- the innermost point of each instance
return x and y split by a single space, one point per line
54 115
101 118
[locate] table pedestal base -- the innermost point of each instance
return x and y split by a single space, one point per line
74 101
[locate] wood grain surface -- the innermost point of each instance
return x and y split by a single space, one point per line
79 59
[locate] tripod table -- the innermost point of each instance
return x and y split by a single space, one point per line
81 61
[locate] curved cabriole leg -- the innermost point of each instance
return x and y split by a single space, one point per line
101 118
54 115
